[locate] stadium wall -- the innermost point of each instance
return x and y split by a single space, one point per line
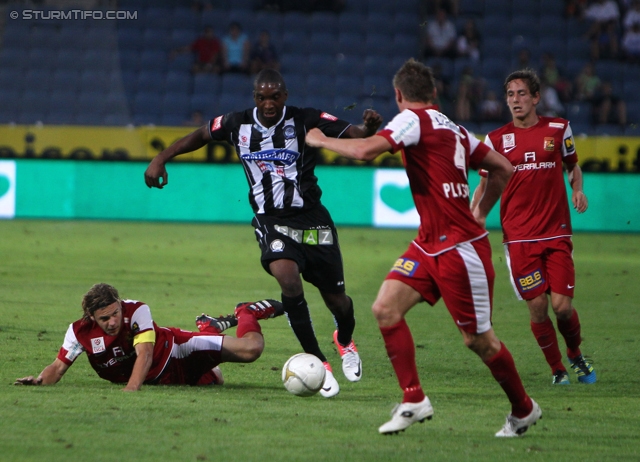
204 192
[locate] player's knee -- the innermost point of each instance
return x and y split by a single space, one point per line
385 313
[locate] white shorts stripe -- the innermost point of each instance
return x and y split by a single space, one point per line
513 281
197 343
479 286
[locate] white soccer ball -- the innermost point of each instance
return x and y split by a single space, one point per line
303 374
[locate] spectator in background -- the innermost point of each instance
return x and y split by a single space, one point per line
491 108
550 104
631 44
587 82
632 16
440 40
207 50
554 78
468 43
604 16
468 96
523 59
607 107
444 99
235 50
574 8
263 54
196 120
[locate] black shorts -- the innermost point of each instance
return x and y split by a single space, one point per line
308 238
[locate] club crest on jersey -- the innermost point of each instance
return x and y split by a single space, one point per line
549 143
326 115
216 124
405 266
97 344
243 142
286 156
289 132
277 245
509 141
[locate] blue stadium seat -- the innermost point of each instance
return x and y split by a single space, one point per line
294 63
180 63
553 27
322 102
130 39
65 80
320 64
351 43
324 21
352 22
60 118
34 101
185 18
207 83
182 38
230 103
321 85
380 23
90 104
156 39
146 103
349 86
552 7
236 84
73 38
104 60
26 117
37 80
323 43
578 113
407 23
175 103
495 5
116 103
11 80
296 22
295 42
471 7
150 81
496 25
116 120
154 60
495 66
178 82
377 86
44 38
406 45
215 18
95 81
381 44
156 17
41 58
206 103
296 86
555 47
129 60
351 64
147 118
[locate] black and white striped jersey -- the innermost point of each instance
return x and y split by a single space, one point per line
278 164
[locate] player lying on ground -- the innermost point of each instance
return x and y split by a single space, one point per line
124 344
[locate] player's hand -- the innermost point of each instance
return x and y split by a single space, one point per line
372 121
580 202
155 172
31 380
315 137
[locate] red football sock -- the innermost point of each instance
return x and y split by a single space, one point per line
504 371
247 322
545 334
402 354
570 330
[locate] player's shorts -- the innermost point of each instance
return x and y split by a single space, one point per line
462 276
310 239
193 356
538 267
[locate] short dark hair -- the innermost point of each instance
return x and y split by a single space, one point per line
269 76
99 296
528 76
415 81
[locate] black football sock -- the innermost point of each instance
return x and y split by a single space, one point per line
300 321
346 324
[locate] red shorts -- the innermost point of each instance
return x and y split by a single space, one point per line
193 356
539 267
462 276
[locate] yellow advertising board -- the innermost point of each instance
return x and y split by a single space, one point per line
596 154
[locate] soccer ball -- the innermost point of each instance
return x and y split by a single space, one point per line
303 374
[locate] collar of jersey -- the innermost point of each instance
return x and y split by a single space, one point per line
267 130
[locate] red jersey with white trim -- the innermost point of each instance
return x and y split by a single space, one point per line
112 357
437 154
534 204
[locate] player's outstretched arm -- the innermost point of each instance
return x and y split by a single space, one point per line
156 170
144 360
500 170
49 375
359 149
478 193
371 121
578 197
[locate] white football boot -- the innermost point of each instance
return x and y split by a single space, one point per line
517 427
406 414
330 387
351 363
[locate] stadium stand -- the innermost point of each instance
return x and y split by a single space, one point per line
121 72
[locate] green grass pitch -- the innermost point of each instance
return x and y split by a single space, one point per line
181 270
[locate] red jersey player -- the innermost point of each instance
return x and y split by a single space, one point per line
124 344
536 223
451 257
